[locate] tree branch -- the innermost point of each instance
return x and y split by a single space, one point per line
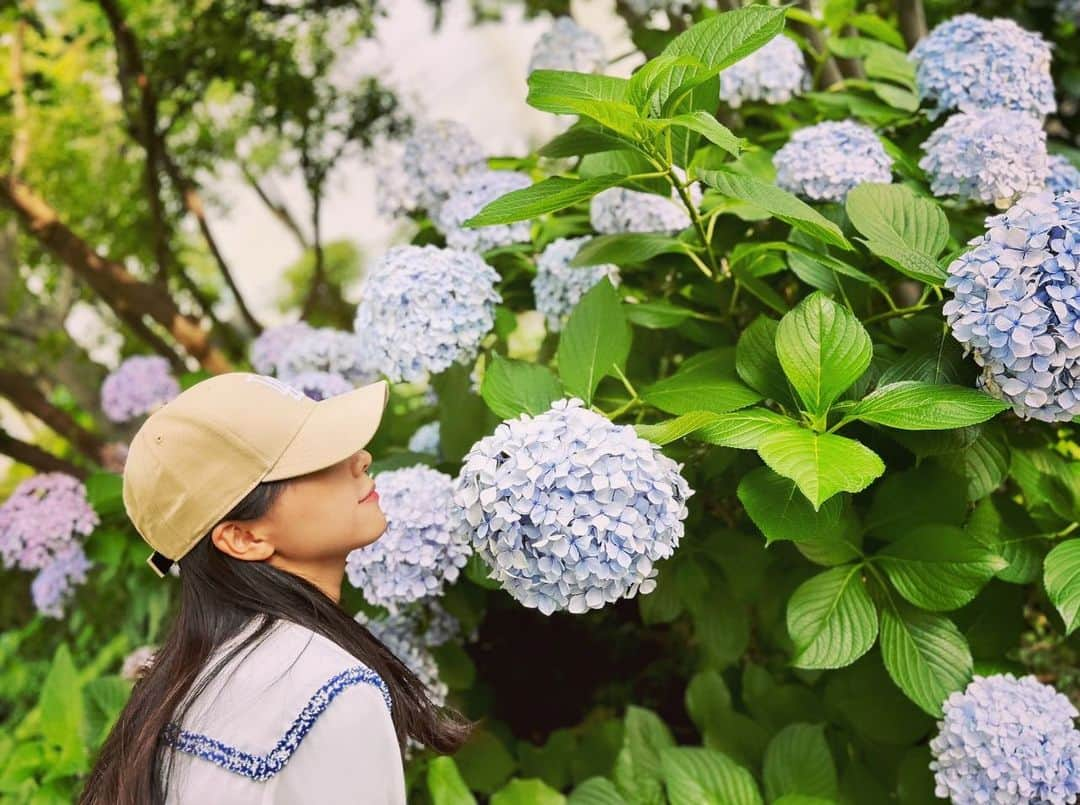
277 208
830 73
912 21
23 392
33 456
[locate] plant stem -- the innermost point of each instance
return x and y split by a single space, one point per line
625 381
900 311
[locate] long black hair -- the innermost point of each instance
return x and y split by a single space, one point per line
219 595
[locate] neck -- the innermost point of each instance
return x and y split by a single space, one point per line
325 574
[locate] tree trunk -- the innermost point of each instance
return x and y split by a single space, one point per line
33 456
912 21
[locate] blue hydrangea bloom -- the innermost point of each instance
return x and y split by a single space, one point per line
474 192
568 46
619 209
570 510
1016 306
424 308
1068 11
54 585
138 386
266 350
426 439
993 157
1061 175
423 547
325 349
396 632
825 161
970 63
774 73
558 286
1007 740
320 385
43 516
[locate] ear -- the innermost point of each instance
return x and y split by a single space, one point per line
240 541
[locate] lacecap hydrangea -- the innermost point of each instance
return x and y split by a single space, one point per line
1061 175
425 439
325 349
320 385
138 386
1007 740
55 583
1016 306
824 162
568 46
558 286
424 308
570 510
993 157
267 349
423 547
43 516
474 192
775 73
970 63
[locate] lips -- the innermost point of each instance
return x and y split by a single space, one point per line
372 495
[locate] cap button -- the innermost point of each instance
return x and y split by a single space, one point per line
158 438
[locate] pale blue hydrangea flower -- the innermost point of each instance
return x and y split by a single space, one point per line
426 439
394 192
137 662
395 632
1016 306
558 286
139 385
474 192
424 308
993 157
320 385
619 209
46 513
774 73
325 349
825 161
1062 176
54 585
568 46
1009 741
266 350
423 547
1068 11
970 63
570 510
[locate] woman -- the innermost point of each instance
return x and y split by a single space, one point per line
265 690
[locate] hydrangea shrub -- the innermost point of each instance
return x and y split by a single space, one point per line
825 161
139 385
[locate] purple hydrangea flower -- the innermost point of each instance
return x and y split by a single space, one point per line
55 583
568 46
1016 305
320 385
425 439
472 194
138 386
138 662
825 161
1007 740
1061 175
327 350
558 286
423 547
774 73
424 308
570 510
43 516
267 350
993 157
969 63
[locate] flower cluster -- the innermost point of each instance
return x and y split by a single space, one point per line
267 350
558 285
325 349
45 514
993 157
137 386
55 583
138 662
320 385
619 209
395 631
570 510
1061 175
774 73
423 547
1016 305
424 308
1067 11
426 439
1007 740
970 63
568 46
825 161
471 195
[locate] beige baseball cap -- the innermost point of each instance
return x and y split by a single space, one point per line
197 456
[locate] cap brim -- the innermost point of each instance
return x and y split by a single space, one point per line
336 428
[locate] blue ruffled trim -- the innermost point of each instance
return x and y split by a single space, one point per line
262 767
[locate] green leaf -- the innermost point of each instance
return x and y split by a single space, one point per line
823 349
777 202
596 791
914 405
710 128
831 619
925 655
638 768
798 761
781 513
699 776
580 139
1062 580
652 75
596 338
602 98
511 387
939 567
104 492
62 713
657 315
445 784
906 231
745 429
630 247
704 385
821 464
554 193
527 792
757 363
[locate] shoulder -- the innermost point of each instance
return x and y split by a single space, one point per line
259 708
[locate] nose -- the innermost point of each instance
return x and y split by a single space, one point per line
361 460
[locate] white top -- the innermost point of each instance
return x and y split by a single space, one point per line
296 718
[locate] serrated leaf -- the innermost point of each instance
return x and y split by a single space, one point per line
554 193
831 619
628 247
657 315
781 512
906 231
596 338
925 655
596 791
798 761
582 139
527 792
914 405
1062 579
700 776
757 363
445 784
821 464
709 127
710 385
511 387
